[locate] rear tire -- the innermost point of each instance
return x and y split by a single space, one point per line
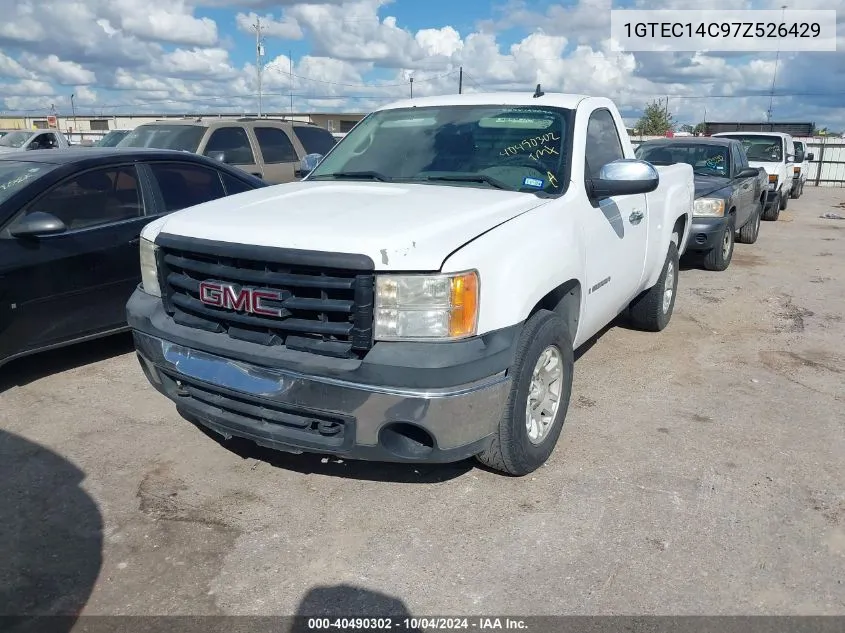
773 212
525 439
652 310
719 258
749 233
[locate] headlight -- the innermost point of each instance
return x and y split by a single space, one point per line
709 208
426 307
149 270
773 181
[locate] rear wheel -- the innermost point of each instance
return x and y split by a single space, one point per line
652 310
539 398
719 258
749 233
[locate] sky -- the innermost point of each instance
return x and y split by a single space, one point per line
198 56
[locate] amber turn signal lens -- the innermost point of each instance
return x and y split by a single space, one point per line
463 316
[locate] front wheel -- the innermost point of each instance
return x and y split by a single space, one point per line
652 310
784 201
541 386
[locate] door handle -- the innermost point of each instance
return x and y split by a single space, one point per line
636 217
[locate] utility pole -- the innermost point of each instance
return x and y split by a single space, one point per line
290 66
460 80
73 109
259 55
775 74
412 87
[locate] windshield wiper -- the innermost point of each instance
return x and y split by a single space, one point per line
493 182
354 175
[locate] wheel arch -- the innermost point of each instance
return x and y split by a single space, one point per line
565 301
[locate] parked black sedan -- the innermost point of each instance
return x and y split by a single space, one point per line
729 194
70 224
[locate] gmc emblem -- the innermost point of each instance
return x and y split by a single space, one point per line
250 300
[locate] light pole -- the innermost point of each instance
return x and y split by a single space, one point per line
73 110
775 74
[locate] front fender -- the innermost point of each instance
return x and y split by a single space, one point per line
521 261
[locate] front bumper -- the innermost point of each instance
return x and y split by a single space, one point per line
293 411
706 233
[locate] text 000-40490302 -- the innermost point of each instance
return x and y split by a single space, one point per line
733 30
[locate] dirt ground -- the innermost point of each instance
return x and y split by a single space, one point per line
700 471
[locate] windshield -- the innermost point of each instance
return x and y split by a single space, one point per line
707 159
15 139
513 148
15 175
799 151
765 149
315 140
180 137
112 138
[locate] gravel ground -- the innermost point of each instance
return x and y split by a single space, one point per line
701 471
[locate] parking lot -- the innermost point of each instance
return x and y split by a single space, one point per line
700 471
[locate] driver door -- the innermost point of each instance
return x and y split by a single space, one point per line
616 229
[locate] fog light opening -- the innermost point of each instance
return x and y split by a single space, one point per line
406 440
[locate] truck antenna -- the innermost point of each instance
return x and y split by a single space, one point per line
538 92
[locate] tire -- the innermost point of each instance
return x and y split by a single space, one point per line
719 258
784 201
648 312
749 233
796 191
773 212
512 451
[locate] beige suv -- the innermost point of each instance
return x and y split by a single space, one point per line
268 148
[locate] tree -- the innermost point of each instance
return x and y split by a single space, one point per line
699 129
687 128
655 121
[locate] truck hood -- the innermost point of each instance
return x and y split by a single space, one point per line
705 185
772 169
399 226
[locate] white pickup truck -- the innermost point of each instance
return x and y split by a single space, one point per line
419 296
774 152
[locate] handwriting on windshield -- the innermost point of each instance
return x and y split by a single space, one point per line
529 143
552 179
544 151
16 181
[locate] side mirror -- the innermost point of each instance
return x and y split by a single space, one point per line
37 224
811 156
625 177
790 158
307 165
218 156
748 172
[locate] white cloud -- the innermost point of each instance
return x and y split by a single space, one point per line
197 62
65 73
11 68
